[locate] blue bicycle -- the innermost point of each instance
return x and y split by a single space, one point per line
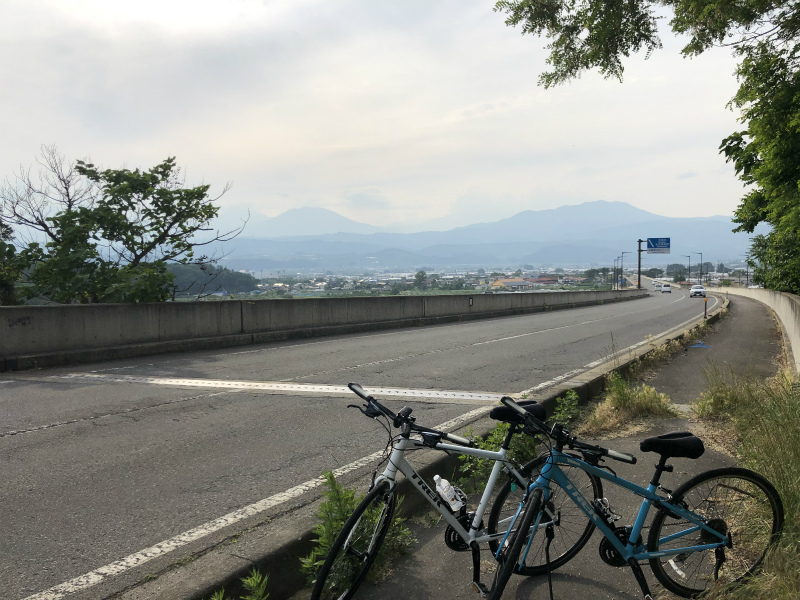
715 529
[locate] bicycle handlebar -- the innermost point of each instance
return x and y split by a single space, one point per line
375 409
562 437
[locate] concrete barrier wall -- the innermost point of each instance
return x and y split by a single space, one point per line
786 307
46 332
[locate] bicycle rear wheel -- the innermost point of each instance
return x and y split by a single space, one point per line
357 546
571 526
735 501
510 551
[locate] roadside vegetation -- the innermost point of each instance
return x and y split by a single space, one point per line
622 403
760 418
254 586
338 504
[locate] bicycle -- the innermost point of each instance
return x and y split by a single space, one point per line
357 545
714 528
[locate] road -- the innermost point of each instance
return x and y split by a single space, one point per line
102 461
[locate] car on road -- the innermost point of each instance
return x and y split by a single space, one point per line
697 290
665 287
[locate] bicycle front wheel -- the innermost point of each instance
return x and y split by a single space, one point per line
512 547
356 547
571 526
737 502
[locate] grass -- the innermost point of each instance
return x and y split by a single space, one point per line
622 403
339 504
763 418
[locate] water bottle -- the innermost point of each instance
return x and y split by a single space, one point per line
448 493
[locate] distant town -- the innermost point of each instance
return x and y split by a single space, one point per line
219 283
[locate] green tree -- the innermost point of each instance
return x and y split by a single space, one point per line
421 280
108 234
653 273
12 266
599 34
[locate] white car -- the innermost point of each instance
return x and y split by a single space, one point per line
665 287
697 290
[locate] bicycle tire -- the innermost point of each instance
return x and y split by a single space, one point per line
741 501
573 528
508 559
356 546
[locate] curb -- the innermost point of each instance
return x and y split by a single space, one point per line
276 545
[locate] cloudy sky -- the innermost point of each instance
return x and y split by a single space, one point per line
383 111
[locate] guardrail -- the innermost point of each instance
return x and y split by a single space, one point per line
39 336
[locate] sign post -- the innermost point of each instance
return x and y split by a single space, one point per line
654 246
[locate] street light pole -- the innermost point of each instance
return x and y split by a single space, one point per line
639 276
701 265
614 276
622 267
689 275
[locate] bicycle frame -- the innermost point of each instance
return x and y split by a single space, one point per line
635 548
398 462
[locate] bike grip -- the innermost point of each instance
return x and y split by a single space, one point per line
355 387
458 439
514 406
621 456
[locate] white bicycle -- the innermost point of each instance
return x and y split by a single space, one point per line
358 544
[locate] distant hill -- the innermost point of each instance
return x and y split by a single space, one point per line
303 222
592 233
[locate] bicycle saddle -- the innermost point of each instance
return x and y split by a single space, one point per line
507 415
678 444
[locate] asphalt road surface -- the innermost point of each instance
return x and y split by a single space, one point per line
102 461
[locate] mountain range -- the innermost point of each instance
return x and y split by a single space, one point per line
592 233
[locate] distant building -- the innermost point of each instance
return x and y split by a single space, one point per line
514 284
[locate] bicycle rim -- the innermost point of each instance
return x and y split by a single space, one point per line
571 526
356 547
735 501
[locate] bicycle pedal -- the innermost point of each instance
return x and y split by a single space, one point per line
480 588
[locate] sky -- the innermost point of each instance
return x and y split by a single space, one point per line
383 111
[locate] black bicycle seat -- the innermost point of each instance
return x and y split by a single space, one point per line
678 444
508 415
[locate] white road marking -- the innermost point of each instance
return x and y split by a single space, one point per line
92 578
286 388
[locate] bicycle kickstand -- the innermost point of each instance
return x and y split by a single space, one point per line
639 575
477 585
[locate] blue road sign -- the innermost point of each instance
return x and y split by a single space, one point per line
658 245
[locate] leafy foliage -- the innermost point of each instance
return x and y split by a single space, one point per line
599 34
105 236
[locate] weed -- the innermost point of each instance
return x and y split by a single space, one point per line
567 409
339 504
622 403
255 587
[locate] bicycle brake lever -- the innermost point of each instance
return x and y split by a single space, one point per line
366 410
